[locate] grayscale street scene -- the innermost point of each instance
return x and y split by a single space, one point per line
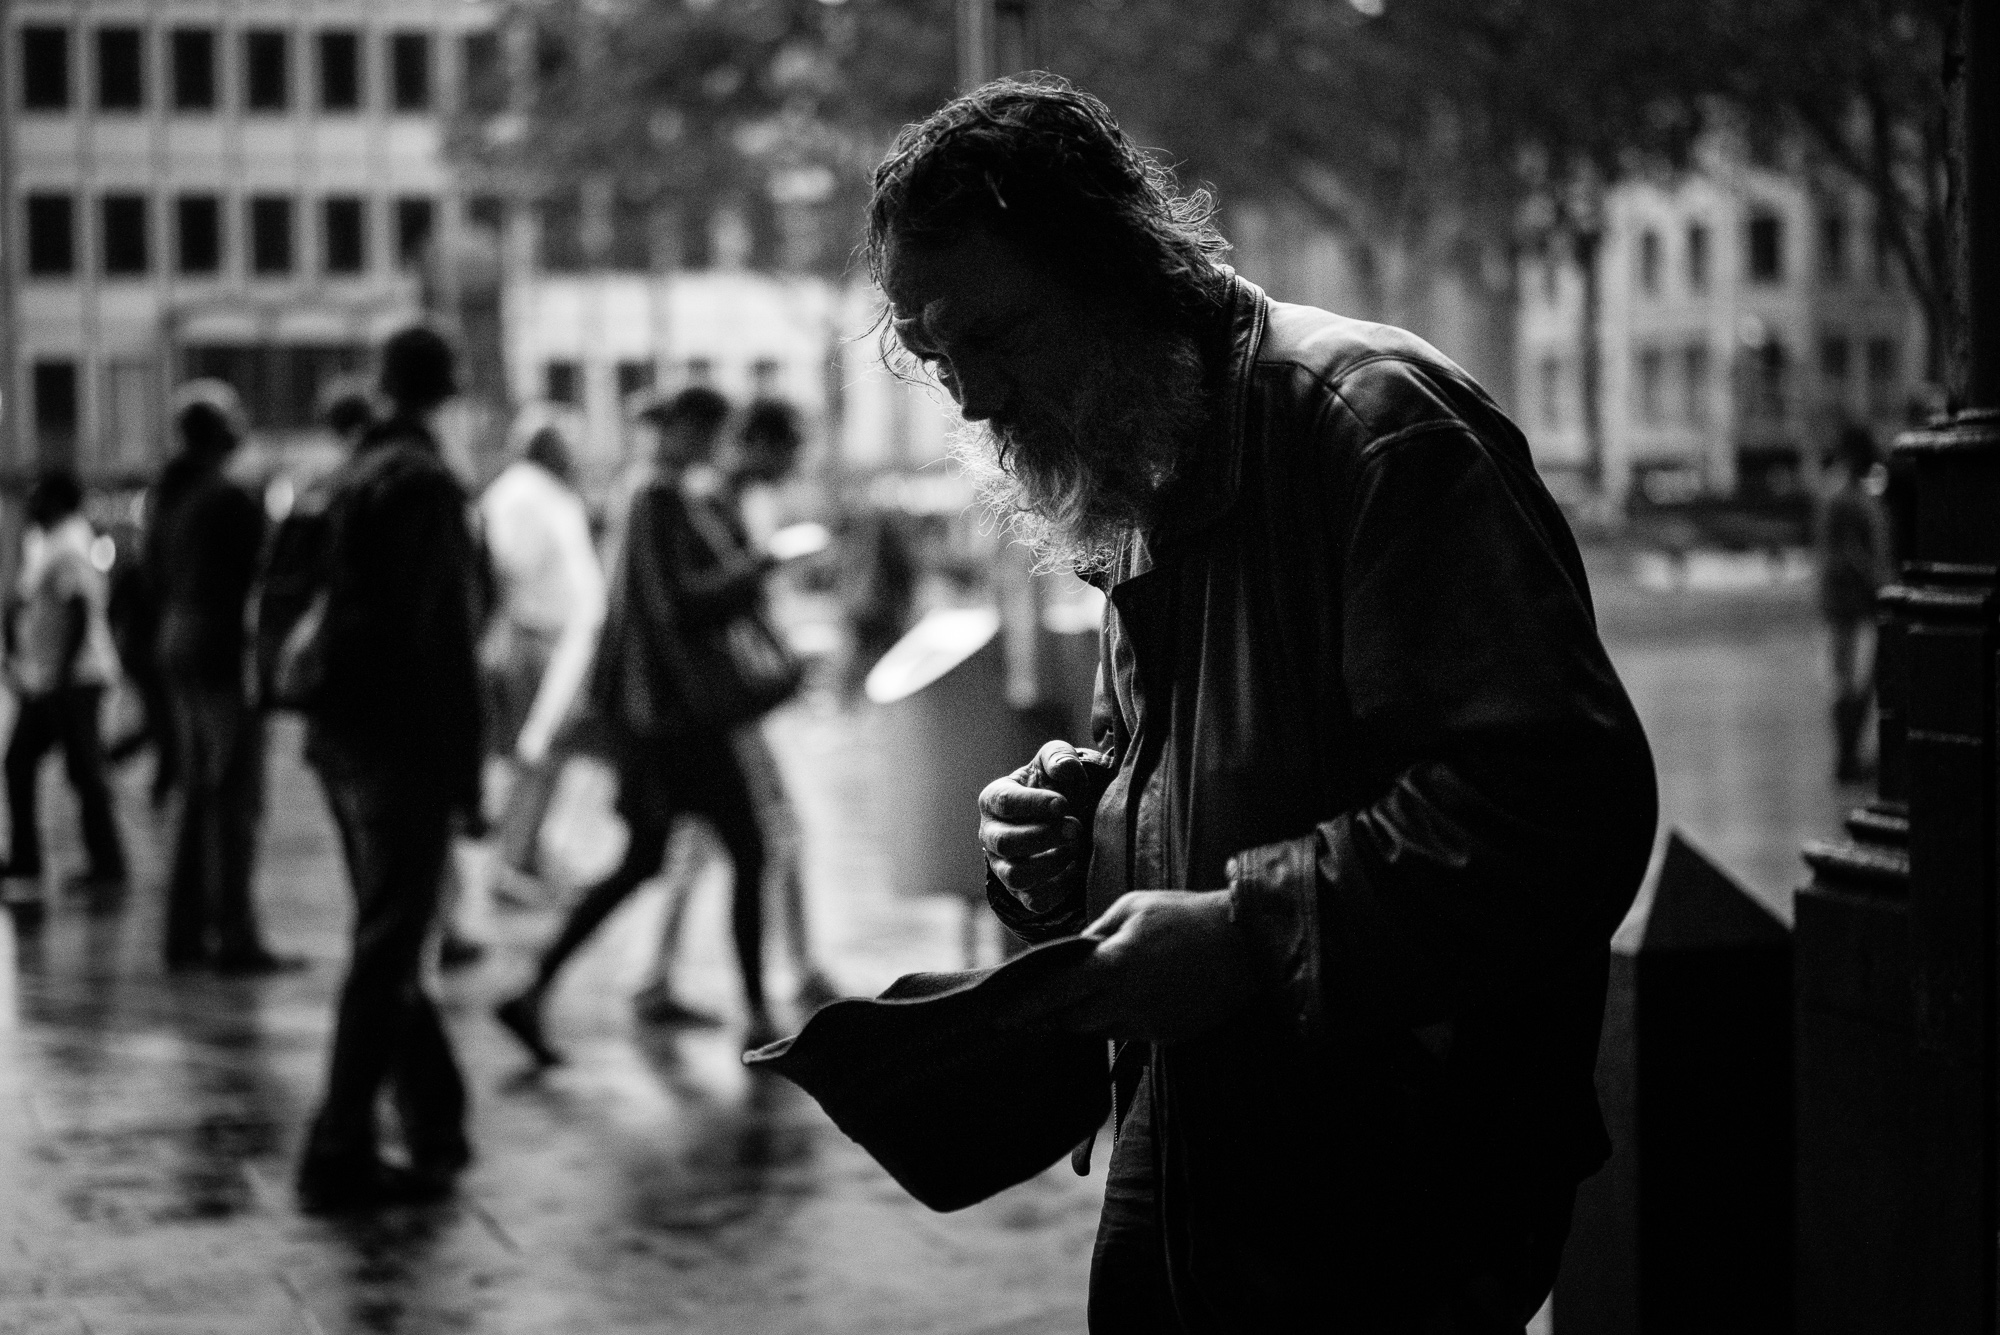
984 666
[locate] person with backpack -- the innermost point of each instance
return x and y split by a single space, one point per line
383 666
59 662
680 584
203 555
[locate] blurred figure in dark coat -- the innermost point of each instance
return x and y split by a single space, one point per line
207 535
395 736
1853 566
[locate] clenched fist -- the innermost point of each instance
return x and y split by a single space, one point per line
1034 824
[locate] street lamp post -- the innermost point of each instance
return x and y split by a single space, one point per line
1898 937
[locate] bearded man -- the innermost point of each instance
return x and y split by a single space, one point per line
1365 799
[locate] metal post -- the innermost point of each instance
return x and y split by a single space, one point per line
1899 1173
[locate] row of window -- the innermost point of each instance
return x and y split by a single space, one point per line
1765 260
1671 386
264 83
200 235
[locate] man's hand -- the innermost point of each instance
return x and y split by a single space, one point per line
1033 835
1169 965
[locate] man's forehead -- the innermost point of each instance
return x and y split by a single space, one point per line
973 272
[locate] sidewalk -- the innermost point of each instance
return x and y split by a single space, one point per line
149 1124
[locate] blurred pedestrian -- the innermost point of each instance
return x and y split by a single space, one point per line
60 661
538 645
1364 800
878 590
1854 565
395 735
674 582
763 453
208 534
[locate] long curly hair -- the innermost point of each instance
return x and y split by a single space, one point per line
1043 164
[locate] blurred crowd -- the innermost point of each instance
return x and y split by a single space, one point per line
450 653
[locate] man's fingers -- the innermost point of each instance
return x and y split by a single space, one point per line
1016 803
1001 839
1122 911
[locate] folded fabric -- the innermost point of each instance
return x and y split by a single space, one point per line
925 1079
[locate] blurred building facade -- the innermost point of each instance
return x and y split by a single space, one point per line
1746 314
250 189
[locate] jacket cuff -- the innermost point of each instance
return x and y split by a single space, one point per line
1067 919
1274 899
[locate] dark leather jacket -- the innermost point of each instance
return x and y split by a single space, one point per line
1354 673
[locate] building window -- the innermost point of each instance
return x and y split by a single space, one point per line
123 218
1694 384
127 417
1766 235
280 384
340 71
194 69
1833 358
267 84
551 58
121 79
1697 257
55 410
416 220
198 234
1651 372
344 230
270 235
631 236
562 382
45 69
1649 262
1882 377
410 71
51 236
1833 247
488 213
562 234
483 71
1768 383
634 377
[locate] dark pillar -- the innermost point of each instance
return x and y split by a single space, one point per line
1898 1172
1688 1228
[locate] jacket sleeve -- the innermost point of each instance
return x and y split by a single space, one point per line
1518 811
433 610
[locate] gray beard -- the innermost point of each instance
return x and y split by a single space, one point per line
1074 480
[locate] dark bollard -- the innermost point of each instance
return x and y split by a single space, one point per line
1688 1227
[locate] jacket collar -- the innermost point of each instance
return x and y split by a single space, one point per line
1207 488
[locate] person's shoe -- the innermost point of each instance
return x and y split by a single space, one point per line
522 1017
656 1003
816 990
256 963
457 952
334 1185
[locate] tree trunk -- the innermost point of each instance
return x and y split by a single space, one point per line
1587 245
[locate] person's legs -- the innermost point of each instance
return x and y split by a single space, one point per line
395 840
713 783
528 803
648 819
189 890
35 731
237 813
784 856
83 756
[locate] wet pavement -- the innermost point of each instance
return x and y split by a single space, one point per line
148 1124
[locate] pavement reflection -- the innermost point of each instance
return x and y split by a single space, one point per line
148 1122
